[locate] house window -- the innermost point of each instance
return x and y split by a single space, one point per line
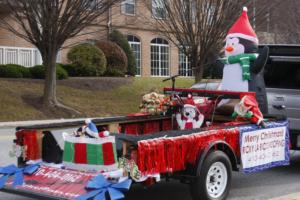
158 9
94 4
135 45
185 68
160 57
128 7
189 10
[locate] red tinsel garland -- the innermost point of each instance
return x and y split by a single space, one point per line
30 142
171 154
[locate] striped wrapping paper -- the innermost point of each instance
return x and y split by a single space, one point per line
90 154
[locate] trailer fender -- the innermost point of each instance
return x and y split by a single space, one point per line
217 145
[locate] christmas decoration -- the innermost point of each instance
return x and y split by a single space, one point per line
18 174
90 154
90 129
241 49
99 186
243 64
155 103
130 168
103 134
170 154
32 149
191 117
248 109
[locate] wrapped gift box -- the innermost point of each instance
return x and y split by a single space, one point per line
90 154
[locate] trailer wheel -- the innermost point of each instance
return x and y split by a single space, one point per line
214 179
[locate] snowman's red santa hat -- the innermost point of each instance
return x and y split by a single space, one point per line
243 29
190 103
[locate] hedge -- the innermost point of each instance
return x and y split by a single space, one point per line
14 71
116 58
86 60
39 71
117 37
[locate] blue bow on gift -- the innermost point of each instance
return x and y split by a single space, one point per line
99 186
18 173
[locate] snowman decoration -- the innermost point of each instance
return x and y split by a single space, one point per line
243 66
190 117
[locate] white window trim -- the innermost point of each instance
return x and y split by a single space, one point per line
138 43
123 10
169 59
186 64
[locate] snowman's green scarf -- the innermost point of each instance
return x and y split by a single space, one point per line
243 60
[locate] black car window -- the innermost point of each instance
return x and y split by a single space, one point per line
284 75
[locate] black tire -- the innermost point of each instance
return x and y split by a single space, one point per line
199 188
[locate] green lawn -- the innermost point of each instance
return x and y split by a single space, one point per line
19 98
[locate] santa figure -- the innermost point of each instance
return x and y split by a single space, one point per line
248 109
243 64
191 117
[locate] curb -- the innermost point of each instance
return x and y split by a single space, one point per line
294 196
37 122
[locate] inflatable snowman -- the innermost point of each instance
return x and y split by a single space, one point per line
243 64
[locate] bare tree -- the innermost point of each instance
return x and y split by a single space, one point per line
285 22
197 27
47 24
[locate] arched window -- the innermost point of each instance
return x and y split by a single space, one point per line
160 57
135 45
185 68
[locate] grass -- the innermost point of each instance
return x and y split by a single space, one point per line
18 97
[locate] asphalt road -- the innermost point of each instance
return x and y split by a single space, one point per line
259 186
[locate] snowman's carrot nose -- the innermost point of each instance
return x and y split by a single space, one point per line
229 49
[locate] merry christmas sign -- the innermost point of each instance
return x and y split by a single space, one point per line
264 148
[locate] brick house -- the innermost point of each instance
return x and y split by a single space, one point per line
155 55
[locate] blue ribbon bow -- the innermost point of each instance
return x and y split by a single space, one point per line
99 186
18 173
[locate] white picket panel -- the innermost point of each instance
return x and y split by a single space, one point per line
27 57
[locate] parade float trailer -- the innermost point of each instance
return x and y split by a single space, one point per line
146 149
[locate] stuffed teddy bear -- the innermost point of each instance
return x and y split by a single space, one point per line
190 117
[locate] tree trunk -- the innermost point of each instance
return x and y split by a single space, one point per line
199 69
49 99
